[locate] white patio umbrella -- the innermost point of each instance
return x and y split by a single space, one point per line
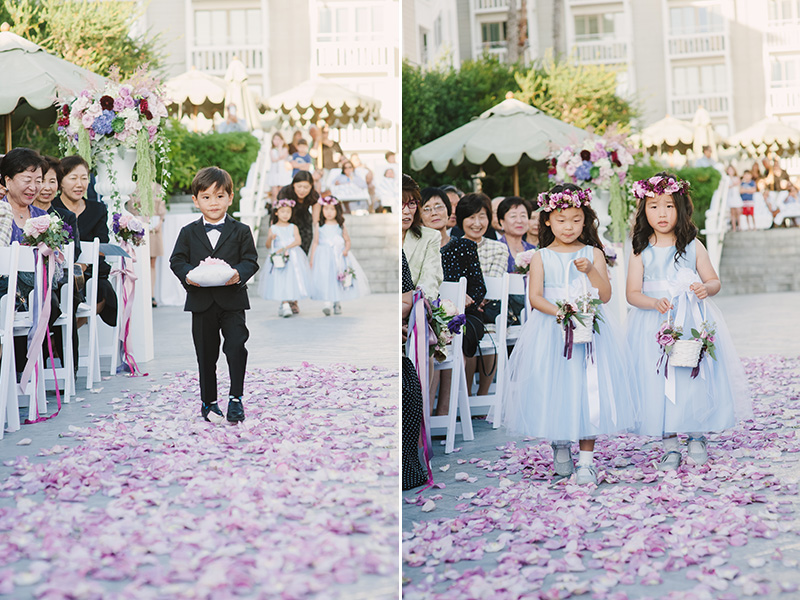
319 99
665 135
238 93
31 77
508 132
196 92
767 135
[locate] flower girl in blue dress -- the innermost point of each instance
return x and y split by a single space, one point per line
670 278
335 272
569 378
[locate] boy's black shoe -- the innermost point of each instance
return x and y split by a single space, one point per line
212 413
235 410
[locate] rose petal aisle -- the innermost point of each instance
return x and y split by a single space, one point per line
725 530
298 501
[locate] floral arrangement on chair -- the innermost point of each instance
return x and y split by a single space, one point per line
523 261
126 114
446 322
49 230
128 229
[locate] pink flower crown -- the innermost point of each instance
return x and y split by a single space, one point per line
658 186
329 200
561 200
285 202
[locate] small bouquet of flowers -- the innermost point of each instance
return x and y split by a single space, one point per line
211 272
279 259
127 229
49 230
347 277
523 261
667 335
446 322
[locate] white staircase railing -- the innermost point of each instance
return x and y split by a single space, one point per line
251 196
717 222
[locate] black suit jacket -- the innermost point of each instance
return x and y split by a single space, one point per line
235 246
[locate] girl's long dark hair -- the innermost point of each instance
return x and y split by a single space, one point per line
589 235
339 215
685 230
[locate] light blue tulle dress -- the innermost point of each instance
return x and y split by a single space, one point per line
560 399
329 262
719 395
291 282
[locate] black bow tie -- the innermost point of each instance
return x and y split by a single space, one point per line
209 226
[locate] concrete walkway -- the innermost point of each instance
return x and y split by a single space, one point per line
365 336
487 490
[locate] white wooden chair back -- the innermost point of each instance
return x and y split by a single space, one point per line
66 372
496 289
9 402
459 402
90 255
517 286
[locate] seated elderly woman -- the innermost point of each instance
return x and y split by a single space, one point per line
459 259
514 215
473 215
420 244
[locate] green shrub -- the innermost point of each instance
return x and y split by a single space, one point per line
703 182
189 152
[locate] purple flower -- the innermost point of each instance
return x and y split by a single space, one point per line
584 171
456 322
102 124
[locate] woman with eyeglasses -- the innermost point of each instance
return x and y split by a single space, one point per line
420 244
459 259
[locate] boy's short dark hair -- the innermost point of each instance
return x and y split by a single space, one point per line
212 177
302 142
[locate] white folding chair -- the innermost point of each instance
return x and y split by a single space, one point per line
517 285
66 372
90 254
491 404
459 402
9 402
108 337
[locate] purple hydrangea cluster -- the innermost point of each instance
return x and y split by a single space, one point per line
103 123
560 200
584 171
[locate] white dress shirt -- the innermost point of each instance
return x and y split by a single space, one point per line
213 234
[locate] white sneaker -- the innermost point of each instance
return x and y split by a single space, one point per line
565 468
698 450
285 310
337 308
327 309
586 474
670 461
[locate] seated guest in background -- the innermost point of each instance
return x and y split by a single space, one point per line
459 259
514 215
495 223
51 184
532 237
420 244
473 216
454 194
92 223
349 186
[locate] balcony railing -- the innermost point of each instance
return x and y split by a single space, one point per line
783 36
489 6
784 100
698 44
215 59
496 49
686 106
334 57
601 51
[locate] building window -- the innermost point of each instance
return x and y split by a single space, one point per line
699 80
783 11
423 48
785 72
349 23
691 20
235 27
596 27
493 35
437 32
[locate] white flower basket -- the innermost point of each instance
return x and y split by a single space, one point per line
348 280
582 334
685 353
278 261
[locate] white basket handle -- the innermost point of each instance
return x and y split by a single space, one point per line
583 279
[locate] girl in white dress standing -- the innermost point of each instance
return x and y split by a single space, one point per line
280 171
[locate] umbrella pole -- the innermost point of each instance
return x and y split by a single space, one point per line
8 133
515 175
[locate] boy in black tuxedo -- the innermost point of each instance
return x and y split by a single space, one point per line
216 309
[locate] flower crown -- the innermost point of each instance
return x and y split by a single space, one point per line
548 201
285 202
658 185
329 200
